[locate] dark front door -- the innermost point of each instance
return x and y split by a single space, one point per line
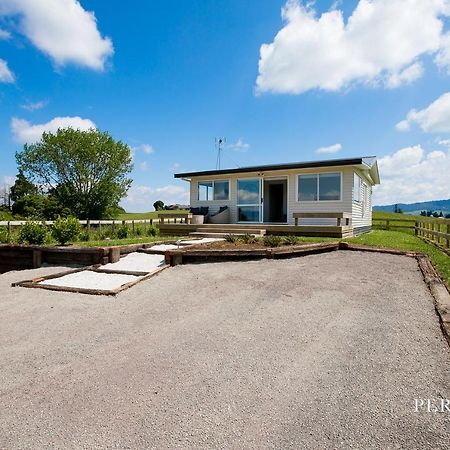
276 194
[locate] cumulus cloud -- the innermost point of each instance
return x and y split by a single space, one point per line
433 119
412 174
26 132
146 148
141 197
240 145
62 29
6 76
34 106
381 43
330 149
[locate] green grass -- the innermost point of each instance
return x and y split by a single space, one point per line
127 241
403 241
146 215
6 215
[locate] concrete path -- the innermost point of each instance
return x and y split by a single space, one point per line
324 351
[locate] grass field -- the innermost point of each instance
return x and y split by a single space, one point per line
146 215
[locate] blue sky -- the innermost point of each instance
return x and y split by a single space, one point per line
338 79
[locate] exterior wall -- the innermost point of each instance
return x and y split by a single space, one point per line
362 211
346 203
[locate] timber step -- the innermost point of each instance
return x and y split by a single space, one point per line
231 230
219 234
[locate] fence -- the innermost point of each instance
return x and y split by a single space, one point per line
435 230
92 223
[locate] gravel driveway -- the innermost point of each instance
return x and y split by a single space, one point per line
324 351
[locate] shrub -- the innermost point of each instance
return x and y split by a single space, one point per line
138 231
84 236
153 231
4 235
272 241
291 240
232 238
33 232
65 229
122 232
249 239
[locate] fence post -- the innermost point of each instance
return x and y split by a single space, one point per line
9 228
448 235
416 231
88 225
387 224
132 225
113 226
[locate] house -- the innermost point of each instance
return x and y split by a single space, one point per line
318 195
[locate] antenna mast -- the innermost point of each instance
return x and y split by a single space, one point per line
220 142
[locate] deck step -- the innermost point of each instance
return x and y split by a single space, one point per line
219 235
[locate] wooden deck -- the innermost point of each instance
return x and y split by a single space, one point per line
184 229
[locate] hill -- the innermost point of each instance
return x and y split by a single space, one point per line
415 208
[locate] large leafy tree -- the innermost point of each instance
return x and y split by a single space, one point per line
87 171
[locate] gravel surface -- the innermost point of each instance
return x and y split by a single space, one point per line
137 262
320 352
91 280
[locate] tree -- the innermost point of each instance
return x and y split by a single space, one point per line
158 205
22 187
423 213
86 171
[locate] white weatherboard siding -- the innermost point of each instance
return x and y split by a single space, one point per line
362 211
346 203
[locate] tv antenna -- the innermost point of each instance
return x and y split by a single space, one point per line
220 142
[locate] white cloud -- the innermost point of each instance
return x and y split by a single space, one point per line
62 29
34 106
141 198
433 119
8 180
26 132
146 148
4 34
6 76
330 149
240 145
380 43
143 166
413 175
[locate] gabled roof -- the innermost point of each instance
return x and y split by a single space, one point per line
368 163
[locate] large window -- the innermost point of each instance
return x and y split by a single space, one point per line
213 190
356 188
319 187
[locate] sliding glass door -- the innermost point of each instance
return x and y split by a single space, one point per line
249 200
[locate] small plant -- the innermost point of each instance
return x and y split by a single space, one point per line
4 235
249 239
65 229
232 238
138 231
122 232
84 236
272 241
291 240
153 231
33 232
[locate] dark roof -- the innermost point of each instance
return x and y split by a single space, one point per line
368 161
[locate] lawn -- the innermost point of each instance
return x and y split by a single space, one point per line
146 215
127 241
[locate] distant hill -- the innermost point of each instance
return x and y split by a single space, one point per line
415 208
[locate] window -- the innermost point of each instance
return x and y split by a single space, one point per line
356 188
213 190
319 187
365 203
221 190
205 190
